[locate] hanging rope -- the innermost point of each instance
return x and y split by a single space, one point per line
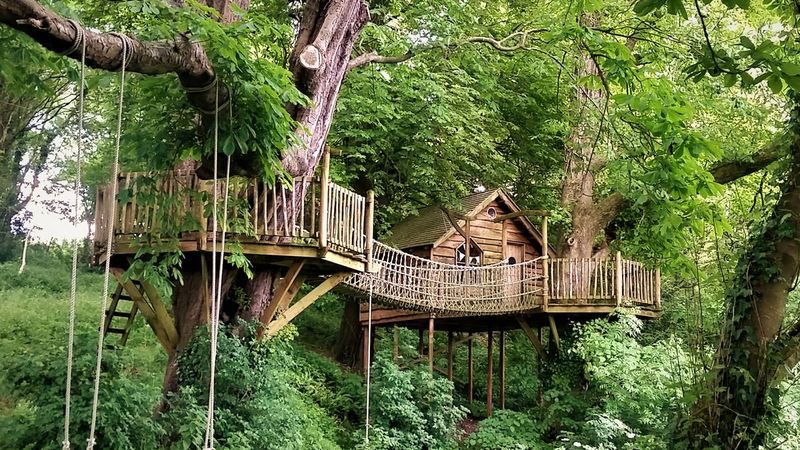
73 290
216 276
369 363
106 276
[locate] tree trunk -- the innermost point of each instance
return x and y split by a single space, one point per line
747 357
348 342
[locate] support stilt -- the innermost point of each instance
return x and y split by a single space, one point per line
554 332
450 355
502 369
469 369
430 344
489 374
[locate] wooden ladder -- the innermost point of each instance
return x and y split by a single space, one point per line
114 312
145 300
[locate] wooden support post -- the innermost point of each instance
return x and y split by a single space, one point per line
554 332
323 288
467 241
450 355
545 266
470 376
504 240
146 310
618 279
161 312
502 369
365 351
489 373
323 202
368 228
421 343
537 343
396 344
280 298
658 288
430 344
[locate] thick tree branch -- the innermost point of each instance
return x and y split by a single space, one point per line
733 170
181 56
373 57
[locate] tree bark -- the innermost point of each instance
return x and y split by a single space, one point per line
349 338
747 358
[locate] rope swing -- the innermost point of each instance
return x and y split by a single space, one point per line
106 276
73 291
216 269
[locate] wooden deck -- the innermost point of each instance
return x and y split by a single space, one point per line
331 229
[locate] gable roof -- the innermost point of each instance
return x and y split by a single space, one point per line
430 226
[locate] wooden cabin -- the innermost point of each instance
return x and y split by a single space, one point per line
430 233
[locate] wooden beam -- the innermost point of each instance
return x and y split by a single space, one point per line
537 344
618 278
545 266
489 373
430 344
524 212
554 332
502 369
450 355
331 282
470 375
146 310
368 227
161 312
504 240
323 202
279 299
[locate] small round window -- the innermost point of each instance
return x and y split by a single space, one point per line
491 212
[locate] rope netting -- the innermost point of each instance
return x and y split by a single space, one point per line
411 282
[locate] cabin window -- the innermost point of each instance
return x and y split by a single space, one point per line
491 212
475 255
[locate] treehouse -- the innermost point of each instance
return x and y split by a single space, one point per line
481 268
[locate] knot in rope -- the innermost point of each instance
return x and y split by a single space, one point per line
78 41
127 46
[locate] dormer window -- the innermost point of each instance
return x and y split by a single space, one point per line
475 255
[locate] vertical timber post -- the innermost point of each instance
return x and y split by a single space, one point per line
368 228
467 241
545 266
396 344
430 344
450 355
618 279
470 366
502 369
489 374
365 350
323 201
658 288
504 240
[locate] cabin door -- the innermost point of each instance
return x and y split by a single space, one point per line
515 254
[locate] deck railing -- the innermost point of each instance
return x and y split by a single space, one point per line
592 281
326 215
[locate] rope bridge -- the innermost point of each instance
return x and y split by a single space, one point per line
410 282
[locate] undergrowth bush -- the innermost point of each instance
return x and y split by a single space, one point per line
411 409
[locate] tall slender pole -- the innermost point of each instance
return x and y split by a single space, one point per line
502 369
470 377
450 355
368 228
618 279
658 288
430 344
323 201
545 266
489 374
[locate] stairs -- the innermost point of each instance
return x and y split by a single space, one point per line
126 313
141 297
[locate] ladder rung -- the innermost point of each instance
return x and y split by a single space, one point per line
115 330
119 314
125 297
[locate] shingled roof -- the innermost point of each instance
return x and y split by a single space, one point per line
431 222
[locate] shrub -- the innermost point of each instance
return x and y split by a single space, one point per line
506 430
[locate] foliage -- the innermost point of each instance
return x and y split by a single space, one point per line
410 409
507 430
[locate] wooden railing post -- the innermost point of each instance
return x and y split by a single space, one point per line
658 288
323 201
618 280
368 228
545 266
